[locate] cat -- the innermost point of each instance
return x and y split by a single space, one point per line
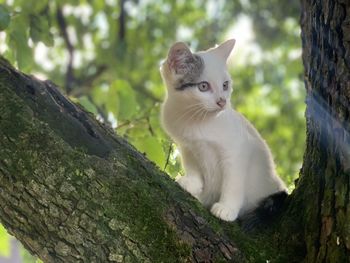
228 166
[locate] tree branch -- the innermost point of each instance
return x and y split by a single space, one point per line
85 83
62 25
168 155
122 18
72 191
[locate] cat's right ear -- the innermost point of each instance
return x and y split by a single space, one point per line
178 57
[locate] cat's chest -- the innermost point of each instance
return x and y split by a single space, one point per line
200 136
214 131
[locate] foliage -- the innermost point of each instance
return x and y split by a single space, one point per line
106 55
4 243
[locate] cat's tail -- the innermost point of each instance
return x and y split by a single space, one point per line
267 210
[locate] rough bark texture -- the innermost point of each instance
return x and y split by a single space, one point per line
324 184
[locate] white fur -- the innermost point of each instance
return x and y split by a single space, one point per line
228 166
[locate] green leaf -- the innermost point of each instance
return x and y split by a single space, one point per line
4 18
18 40
40 30
38 6
4 242
111 98
153 149
106 98
127 104
32 7
87 104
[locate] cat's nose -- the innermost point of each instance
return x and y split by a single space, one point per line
221 102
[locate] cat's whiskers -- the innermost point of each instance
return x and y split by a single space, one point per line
188 110
201 114
205 112
186 114
196 114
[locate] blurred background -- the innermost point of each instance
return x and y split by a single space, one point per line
105 55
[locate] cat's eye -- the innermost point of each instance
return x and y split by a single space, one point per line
204 86
225 85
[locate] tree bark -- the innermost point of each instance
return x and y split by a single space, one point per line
324 185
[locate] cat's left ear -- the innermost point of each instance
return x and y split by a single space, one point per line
224 49
180 58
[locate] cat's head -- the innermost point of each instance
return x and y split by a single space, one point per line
199 78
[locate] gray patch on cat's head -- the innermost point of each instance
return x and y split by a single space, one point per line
194 68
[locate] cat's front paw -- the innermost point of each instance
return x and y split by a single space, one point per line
191 184
224 212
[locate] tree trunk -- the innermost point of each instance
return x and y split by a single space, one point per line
73 191
324 183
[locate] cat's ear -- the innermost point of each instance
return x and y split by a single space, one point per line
178 57
224 50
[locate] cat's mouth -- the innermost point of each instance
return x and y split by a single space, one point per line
220 108
216 110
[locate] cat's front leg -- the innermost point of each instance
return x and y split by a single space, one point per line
192 182
232 191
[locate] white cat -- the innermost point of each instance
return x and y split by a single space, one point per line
228 166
